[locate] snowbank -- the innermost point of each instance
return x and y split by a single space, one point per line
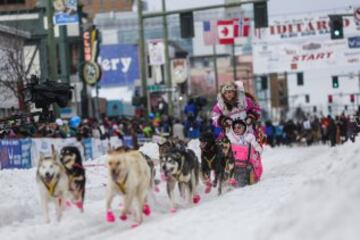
306 193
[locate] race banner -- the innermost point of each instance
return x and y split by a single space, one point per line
15 154
302 28
304 55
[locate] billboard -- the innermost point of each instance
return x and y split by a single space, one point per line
65 12
301 28
119 64
305 55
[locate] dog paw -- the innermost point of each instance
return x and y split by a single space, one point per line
232 181
196 199
110 217
146 210
134 225
123 217
79 205
173 210
68 204
208 189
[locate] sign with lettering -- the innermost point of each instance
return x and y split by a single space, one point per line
65 12
301 56
119 64
302 27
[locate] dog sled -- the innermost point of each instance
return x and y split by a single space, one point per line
248 166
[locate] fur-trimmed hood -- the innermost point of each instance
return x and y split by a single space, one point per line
240 97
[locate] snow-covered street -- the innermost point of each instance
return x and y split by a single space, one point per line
305 193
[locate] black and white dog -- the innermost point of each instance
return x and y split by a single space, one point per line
212 159
181 166
70 158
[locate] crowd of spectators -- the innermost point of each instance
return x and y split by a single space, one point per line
313 130
306 131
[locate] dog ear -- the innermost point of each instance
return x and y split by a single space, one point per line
53 152
42 157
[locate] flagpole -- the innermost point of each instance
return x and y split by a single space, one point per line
234 61
215 67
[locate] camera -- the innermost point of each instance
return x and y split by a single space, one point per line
46 93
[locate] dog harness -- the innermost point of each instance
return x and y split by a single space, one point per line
177 174
51 187
209 161
121 185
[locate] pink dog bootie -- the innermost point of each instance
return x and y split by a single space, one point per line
79 205
232 181
110 216
134 225
173 210
196 198
123 217
208 187
146 210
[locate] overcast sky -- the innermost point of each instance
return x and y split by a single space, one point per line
275 7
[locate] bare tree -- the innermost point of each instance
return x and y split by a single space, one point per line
13 72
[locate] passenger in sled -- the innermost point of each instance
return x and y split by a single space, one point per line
246 150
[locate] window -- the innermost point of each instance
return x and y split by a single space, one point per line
300 79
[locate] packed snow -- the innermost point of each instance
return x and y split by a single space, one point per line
305 193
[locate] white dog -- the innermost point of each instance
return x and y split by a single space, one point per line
128 175
53 183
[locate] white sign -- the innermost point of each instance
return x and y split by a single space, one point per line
302 28
179 70
156 52
303 55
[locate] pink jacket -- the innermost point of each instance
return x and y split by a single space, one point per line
237 112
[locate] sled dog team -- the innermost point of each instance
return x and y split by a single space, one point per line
131 174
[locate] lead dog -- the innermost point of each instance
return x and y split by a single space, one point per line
53 183
70 158
128 175
181 166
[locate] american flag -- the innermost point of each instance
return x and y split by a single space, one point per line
244 26
209 33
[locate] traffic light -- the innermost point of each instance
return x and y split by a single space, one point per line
336 27
330 99
352 98
260 15
300 78
335 81
307 98
187 25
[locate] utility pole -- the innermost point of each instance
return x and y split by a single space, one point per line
167 58
64 55
234 62
84 97
142 55
51 41
215 68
